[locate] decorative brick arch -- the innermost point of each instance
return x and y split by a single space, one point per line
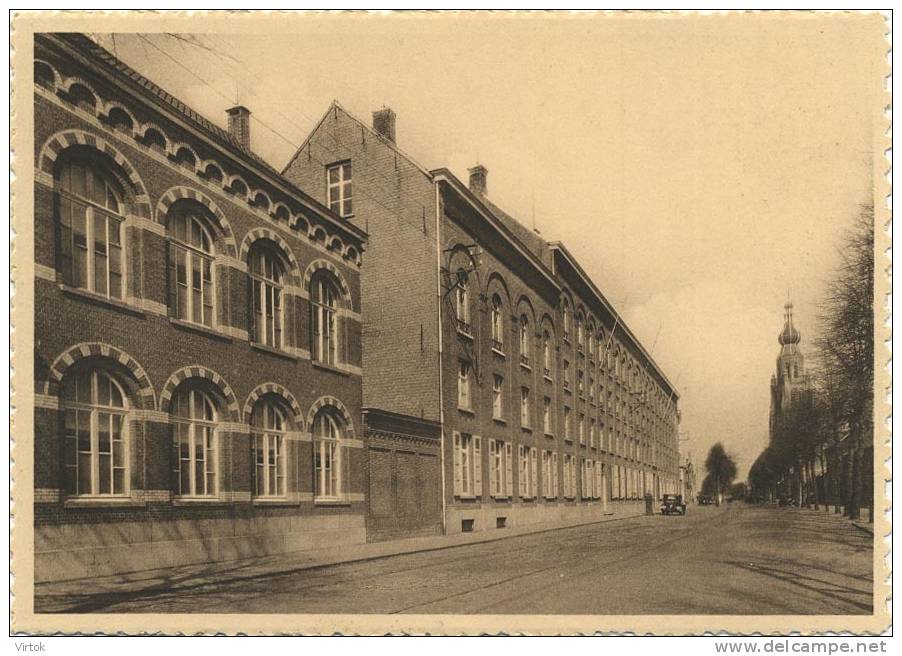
317 265
65 139
174 194
141 131
265 233
202 372
331 402
57 78
279 390
144 390
67 84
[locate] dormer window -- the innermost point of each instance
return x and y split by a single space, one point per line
338 178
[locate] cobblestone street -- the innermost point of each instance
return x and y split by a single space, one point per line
733 560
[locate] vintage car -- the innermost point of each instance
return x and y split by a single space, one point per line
672 504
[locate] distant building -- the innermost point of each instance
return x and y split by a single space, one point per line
687 481
789 385
501 388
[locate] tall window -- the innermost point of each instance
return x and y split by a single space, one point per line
524 340
90 230
191 269
501 468
94 435
467 465
581 428
592 441
268 428
266 296
566 375
549 474
566 313
524 407
526 474
568 429
497 323
546 415
339 188
324 324
591 348
497 397
194 453
462 301
327 454
580 332
463 385
546 353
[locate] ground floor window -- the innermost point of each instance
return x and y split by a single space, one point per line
467 465
328 456
194 453
268 427
549 474
528 465
501 468
94 435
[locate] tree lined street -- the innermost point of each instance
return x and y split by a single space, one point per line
736 559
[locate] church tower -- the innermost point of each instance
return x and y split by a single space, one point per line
790 381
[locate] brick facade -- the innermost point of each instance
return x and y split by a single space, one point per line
410 368
163 159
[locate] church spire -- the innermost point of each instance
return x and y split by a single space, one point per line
790 336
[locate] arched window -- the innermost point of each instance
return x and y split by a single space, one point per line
591 347
268 426
194 452
580 332
266 295
324 323
90 229
95 444
462 301
497 323
524 340
190 268
327 454
546 353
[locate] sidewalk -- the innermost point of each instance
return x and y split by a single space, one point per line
860 524
58 596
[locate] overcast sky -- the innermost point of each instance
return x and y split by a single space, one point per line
701 169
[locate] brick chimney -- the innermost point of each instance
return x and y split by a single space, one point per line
240 125
384 123
478 179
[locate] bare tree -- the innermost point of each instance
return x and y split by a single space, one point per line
846 345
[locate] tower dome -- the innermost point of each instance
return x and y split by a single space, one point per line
789 335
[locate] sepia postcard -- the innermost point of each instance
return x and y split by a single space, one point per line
451 323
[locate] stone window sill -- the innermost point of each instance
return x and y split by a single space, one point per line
273 501
199 328
331 503
466 411
102 502
97 299
272 350
325 367
198 501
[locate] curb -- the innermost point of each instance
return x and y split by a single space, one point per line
864 528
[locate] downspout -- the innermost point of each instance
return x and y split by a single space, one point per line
441 378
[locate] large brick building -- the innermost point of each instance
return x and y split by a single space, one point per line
500 386
197 334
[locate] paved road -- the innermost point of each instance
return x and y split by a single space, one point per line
737 560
